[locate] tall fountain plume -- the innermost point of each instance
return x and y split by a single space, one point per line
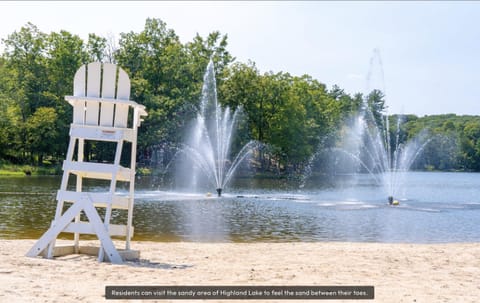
208 147
381 153
379 150
368 144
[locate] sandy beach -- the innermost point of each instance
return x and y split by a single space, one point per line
399 272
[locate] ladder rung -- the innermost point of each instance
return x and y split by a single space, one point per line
97 170
98 199
87 228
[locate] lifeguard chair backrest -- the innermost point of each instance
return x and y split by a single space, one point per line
108 82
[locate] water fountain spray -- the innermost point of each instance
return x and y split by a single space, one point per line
369 142
209 144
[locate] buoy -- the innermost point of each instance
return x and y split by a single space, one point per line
391 201
209 194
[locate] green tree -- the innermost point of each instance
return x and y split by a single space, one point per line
167 77
42 132
214 47
25 61
376 107
25 77
157 64
470 143
10 122
65 54
242 88
96 48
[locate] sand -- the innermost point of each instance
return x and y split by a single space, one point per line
399 272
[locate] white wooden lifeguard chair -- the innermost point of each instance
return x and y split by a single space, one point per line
102 111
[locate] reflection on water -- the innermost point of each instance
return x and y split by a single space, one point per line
436 207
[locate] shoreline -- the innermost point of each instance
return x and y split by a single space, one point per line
17 170
176 240
399 272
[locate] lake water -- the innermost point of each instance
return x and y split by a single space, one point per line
434 207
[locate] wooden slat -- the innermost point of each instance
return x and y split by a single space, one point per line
62 251
93 251
106 114
79 82
93 90
79 112
79 91
93 79
108 80
123 89
121 115
123 93
91 114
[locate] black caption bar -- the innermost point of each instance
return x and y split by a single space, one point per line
240 292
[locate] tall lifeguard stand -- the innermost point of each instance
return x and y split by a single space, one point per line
102 111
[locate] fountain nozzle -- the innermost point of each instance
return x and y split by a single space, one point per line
219 191
390 200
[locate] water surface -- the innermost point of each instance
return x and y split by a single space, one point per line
434 207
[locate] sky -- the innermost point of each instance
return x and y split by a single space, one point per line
429 51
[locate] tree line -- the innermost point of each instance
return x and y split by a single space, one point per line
295 116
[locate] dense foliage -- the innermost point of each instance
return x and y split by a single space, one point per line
295 116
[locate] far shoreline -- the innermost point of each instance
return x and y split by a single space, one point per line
25 170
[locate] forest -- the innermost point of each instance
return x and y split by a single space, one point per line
293 116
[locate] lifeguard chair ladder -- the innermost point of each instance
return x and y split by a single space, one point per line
102 111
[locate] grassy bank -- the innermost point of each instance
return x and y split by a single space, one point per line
7 169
